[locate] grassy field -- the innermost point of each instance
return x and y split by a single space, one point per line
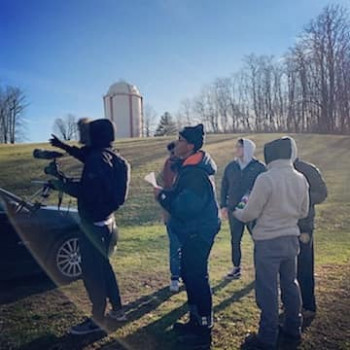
36 315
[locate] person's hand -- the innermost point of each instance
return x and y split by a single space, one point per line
236 212
305 237
156 191
56 142
224 213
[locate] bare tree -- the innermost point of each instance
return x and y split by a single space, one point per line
12 106
307 90
149 123
66 128
185 116
326 44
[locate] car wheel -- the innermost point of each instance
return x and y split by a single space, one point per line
65 260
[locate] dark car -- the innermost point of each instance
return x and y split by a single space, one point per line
35 237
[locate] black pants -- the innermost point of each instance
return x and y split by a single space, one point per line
237 230
305 275
194 270
96 245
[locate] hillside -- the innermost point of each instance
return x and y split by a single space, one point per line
39 317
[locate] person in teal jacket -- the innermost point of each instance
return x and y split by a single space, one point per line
194 218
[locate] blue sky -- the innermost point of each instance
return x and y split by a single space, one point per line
65 54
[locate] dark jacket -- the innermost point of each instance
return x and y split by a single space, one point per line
191 201
79 153
317 192
236 182
94 186
96 189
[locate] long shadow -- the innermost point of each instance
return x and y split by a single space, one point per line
158 334
18 289
71 342
134 310
235 297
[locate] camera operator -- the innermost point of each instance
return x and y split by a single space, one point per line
100 191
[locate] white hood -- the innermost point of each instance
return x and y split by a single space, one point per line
248 150
294 154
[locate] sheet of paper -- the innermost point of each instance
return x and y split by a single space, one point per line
151 179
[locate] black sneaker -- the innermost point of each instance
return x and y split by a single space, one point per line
184 328
199 339
307 314
86 327
295 338
252 342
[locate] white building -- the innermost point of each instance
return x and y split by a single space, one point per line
123 105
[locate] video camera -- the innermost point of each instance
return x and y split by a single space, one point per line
44 154
53 168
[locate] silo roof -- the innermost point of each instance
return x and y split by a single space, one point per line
123 87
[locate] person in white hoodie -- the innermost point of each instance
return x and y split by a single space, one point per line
237 182
279 199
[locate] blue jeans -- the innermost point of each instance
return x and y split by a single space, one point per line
276 259
174 255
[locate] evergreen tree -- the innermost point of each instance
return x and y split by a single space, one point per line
166 126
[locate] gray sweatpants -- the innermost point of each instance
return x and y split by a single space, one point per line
276 259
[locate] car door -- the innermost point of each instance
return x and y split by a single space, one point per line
15 258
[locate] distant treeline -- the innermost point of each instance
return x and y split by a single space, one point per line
307 90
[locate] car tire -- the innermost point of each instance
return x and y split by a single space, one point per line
65 260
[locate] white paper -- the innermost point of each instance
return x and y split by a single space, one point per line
151 179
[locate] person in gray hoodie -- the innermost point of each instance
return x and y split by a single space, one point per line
279 199
237 182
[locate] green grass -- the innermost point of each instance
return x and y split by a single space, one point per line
40 319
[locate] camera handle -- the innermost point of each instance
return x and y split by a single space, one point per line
53 170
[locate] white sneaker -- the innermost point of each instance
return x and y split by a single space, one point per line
119 315
174 286
234 274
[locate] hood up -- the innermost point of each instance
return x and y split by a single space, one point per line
102 133
283 148
248 153
294 154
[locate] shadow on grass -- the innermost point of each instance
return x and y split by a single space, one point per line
68 341
14 290
135 310
158 334
235 297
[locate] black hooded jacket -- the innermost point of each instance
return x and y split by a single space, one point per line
94 190
317 191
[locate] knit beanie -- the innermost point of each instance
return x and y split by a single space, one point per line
194 135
